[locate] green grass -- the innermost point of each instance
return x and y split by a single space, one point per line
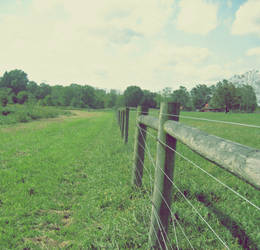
67 184
25 113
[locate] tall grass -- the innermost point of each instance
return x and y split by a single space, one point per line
25 113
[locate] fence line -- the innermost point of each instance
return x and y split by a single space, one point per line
203 170
244 164
172 215
197 212
210 120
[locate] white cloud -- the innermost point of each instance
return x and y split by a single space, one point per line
229 3
197 16
253 52
107 43
247 19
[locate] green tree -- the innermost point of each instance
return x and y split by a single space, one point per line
182 96
110 99
133 96
247 98
4 96
43 90
22 97
225 96
32 87
166 94
149 99
48 100
15 79
200 95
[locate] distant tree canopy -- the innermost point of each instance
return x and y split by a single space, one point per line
182 96
133 96
16 88
227 95
200 95
16 80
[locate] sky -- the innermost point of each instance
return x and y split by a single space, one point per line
112 44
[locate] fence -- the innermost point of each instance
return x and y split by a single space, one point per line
240 160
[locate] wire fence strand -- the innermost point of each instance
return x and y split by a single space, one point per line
204 171
201 217
172 215
205 119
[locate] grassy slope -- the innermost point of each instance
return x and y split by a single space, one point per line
67 184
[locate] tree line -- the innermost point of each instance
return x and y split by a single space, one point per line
16 88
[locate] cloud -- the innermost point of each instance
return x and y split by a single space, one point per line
247 19
229 3
253 52
108 43
146 17
197 16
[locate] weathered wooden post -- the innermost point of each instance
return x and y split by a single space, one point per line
120 120
126 124
162 186
139 148
123 124
118 117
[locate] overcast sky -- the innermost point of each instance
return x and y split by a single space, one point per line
117 43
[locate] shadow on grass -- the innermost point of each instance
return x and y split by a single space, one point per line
228 222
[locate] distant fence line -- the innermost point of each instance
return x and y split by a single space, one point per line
240 160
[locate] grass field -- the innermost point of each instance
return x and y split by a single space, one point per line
66 183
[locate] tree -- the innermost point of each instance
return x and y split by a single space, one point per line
133 96
149 99
247 97
15 79
22 97
166 94
225 96
200 95
4 96
110 99
182 96
43 90
48 100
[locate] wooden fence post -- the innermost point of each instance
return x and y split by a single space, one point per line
123 124
126 124
162 185
118 117
139 148
120 120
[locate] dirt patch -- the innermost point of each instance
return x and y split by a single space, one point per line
65 214
46 242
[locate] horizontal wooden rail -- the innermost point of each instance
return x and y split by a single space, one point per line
240 160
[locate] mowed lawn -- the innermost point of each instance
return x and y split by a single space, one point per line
66 183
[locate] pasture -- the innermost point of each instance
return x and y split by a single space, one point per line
66 183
